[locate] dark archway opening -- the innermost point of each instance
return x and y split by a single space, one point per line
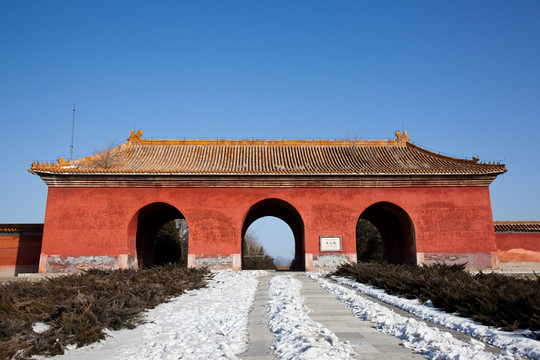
285 212
368 242
385 232
161 236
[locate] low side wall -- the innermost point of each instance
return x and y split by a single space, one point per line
19 253
518 251
474 261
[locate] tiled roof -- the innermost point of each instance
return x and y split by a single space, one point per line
517 226
21 228
268 157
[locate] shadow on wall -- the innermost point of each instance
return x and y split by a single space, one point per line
20 248
28 254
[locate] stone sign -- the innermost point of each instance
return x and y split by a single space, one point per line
330 243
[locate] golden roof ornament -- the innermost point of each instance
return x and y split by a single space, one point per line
402 139
135 137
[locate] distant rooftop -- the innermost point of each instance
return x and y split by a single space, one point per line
21 228
517 226
140 156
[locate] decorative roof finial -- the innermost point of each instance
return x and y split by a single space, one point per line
401 139
135 136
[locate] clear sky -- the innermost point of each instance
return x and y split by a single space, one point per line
462 77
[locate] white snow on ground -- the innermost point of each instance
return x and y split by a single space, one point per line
208 323
297 335
514 342
211 323
417 335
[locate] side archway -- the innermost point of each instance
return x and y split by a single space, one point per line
283 211
396 237
144 228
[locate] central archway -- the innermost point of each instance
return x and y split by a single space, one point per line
396 236
283 211
149 221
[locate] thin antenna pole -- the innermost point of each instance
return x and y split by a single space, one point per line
72 134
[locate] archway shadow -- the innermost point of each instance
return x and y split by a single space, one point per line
396 231
150 219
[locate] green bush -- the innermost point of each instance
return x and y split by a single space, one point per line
493 299
78 307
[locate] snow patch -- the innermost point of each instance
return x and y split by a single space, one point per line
40 327
297 335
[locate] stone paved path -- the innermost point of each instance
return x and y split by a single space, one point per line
368 342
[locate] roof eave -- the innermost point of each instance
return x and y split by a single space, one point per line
163 173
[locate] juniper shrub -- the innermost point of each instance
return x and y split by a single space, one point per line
493 299
79 307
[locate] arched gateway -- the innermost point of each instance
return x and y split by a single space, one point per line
144 227
286 212
427 207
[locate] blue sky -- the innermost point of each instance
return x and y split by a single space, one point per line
462 77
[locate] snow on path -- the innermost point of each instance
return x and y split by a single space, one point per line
429 341
209 323
514 342
297 335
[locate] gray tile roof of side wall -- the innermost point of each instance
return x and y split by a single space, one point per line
20 228
517 226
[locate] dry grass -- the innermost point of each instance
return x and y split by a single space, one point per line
492 299
79 307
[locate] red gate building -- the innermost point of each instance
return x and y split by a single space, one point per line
104 210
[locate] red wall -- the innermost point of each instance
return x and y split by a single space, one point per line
95 221
19 254
518 247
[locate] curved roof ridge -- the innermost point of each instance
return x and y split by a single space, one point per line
264 142
473 160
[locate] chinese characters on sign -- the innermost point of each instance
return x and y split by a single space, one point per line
330 243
